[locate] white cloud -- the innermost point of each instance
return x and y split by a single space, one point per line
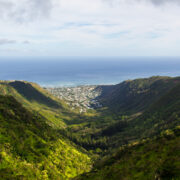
6 41
25 10
91 27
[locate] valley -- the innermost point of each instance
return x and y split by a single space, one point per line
89 90
91 132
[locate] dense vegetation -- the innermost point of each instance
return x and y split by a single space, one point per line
33 150
38 101
134 96
158 158
41 138
32 94
106 129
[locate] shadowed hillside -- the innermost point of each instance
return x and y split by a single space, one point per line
39 101
135 95
33 94
161 115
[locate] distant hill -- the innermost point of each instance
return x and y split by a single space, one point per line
133 96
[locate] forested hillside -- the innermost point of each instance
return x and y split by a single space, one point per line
161 115
132 96
30 149
107 131
158 158
39 101
42 138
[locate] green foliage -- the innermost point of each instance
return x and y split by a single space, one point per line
39 101
33 94
153 159
41 138
30 149
163 114
133 96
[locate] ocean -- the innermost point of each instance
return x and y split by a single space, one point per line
75 71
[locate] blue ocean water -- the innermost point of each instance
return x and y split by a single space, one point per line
85 70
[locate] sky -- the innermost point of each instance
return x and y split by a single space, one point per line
89 28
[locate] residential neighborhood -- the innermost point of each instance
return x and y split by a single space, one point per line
82 97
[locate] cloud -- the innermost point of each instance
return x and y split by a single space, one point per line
95 27
154 2
26 42
161 2
5 7
7 41
25 10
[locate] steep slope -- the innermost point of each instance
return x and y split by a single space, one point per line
30 149
38 101
161 115
158 158
32 93
134 96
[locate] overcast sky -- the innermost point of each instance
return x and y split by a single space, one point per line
90 27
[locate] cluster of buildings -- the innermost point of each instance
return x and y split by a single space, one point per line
81 97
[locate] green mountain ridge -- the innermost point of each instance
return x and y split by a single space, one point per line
36 99
161 115
32 93
136 95
42 138
112 127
